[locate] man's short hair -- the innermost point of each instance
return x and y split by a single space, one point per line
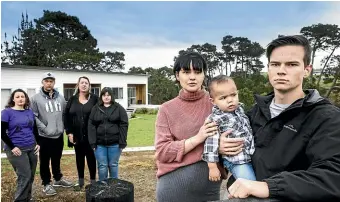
217 79
298 40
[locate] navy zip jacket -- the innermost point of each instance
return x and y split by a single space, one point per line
298 152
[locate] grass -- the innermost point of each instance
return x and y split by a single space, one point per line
141 131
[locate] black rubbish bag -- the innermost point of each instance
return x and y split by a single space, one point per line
113 190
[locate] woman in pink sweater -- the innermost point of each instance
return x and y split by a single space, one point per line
181 130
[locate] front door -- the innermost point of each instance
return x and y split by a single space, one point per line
131 95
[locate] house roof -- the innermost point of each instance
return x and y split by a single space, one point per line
8 66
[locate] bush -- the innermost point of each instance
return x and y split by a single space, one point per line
133 115
146 111
153 111
141 111
247 98
335 98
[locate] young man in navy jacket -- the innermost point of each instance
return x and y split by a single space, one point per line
296 131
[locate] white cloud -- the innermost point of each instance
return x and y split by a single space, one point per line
156 51
150 57
143 50
331 16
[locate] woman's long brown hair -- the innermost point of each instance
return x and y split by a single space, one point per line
11 103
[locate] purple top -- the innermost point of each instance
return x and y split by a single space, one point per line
20 127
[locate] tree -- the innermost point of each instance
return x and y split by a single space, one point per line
333 44
228 51
332 74
209 53
59 40
253 54
246 97
136 70
242 51
112 61
161 83
222 64
4 54
14 52
160 86
319 35
167 72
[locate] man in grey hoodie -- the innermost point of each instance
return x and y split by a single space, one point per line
48 106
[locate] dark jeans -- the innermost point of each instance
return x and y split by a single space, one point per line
50 150
83 149
24 166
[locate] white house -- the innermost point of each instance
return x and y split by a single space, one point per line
129 89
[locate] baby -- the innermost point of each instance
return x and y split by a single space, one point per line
228 114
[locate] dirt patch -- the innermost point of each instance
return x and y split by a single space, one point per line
136 167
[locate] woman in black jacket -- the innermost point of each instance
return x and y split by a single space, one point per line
76 118
108 127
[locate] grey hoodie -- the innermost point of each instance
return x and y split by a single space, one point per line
49 113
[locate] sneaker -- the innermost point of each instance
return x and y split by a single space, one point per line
49 190
62 183
77 187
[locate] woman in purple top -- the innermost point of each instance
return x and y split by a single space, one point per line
20 134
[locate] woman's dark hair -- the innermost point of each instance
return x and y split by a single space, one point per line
183 62
76 91
11 98
298 40
103 92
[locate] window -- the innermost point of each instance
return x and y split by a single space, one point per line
68 92
118 93
5 93
95 90
30 92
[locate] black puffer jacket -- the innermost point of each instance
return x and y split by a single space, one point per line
298 152
108 125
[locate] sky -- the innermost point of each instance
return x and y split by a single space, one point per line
151 33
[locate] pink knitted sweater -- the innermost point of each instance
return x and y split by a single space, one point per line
177 120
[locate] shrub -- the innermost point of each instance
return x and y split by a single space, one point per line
133 115
152 111
247 98
141 111
146 111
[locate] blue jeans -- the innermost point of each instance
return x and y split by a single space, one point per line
107 160
244 171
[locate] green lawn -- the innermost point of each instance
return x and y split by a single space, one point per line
141 131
